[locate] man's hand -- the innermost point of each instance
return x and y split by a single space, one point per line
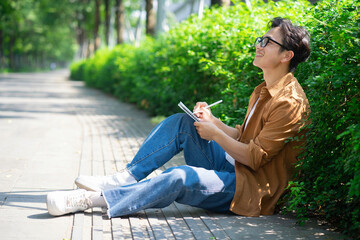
206 130
204 114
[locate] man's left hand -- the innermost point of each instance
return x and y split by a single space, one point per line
206 130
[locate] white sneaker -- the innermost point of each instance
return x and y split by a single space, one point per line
100 183
64 202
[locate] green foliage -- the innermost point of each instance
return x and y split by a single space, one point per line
77 70
330 180
211 58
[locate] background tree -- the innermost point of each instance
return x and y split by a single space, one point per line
107 21
119 21
83 27
150 18
97 25
5 12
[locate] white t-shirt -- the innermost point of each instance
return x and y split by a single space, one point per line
229 158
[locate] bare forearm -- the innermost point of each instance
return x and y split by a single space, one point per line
234 148
230 131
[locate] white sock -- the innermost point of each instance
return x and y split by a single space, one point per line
125 178
97 200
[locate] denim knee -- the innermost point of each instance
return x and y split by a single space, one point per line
184 177
182 117
176 174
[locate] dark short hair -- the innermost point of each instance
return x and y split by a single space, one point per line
295 38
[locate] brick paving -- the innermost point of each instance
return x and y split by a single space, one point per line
53 129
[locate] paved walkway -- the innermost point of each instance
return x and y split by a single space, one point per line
53 129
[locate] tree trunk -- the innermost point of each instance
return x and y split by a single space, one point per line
220 3
89 48
107 22
80 32
96 26
150 18
119 21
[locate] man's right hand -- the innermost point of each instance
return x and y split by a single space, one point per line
204 114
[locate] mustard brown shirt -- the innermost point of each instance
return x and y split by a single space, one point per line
280 114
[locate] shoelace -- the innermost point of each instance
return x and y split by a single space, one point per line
78 200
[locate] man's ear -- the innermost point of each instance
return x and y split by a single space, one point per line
288 55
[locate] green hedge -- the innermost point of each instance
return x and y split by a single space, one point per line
330 171
211 58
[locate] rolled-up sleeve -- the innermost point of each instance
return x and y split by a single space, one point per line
283 123
239 129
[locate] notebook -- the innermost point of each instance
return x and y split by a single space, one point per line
188 112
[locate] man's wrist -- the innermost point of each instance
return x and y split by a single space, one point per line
215 120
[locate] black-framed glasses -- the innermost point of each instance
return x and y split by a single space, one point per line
263 41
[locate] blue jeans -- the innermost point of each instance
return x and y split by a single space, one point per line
207 181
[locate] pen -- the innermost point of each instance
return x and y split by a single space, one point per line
209 106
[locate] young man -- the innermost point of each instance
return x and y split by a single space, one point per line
243 169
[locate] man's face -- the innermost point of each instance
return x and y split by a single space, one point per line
269 57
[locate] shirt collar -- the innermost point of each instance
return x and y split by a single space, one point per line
257 89
274 89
